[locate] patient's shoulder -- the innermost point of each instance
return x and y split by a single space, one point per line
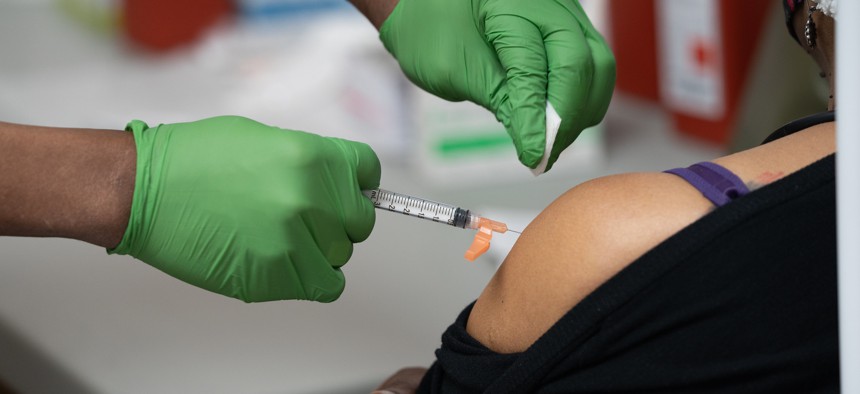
576 244
599 227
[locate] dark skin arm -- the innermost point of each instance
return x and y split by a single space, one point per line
70 183
78 183
376 11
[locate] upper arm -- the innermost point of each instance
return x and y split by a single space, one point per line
576 244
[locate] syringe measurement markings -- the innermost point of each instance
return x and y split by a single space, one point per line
408 202
421 208
385 196
443 213
391 198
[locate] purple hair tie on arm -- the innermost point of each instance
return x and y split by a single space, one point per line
714 181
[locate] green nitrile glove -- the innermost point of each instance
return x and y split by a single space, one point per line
247 210
511 57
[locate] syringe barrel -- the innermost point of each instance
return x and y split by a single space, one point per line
420 208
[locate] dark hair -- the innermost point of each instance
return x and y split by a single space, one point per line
790 7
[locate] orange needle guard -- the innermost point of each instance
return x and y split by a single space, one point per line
482 239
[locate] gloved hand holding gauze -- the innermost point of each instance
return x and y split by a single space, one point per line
522 60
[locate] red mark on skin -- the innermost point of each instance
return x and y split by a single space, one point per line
768 177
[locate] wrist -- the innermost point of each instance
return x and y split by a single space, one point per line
120 192
101 197
139 178
70 183
376 11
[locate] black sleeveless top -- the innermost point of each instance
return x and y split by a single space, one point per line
742 300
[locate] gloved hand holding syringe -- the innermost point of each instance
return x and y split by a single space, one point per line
441 213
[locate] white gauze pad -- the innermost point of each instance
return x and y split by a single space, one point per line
553 122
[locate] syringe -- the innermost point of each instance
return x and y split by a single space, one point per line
441 213
426 209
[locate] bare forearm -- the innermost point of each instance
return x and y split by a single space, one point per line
376 11
71 183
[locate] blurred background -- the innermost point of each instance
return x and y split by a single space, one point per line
696 79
